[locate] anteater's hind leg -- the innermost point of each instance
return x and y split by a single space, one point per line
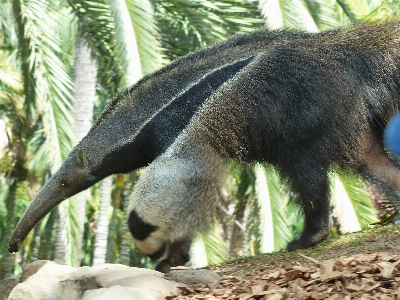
312 187
378 167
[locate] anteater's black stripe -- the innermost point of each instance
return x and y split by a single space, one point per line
161 131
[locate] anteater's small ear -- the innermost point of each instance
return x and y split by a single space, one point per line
81 157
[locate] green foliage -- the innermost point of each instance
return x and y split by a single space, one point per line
47 84
295 218
8 38
4 191
324 13
98 30
242 191
67 211
287 14
187 25
92 215
279 201
5 164
139 260
48 236
146 32
360 198
214 245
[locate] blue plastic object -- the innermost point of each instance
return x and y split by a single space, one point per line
392 135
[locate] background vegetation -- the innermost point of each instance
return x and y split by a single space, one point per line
60 64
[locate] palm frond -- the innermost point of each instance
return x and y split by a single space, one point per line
347 10
324 13
97 27
67 31
8 36
264 201
343 207
287 14
377 12
238 15
48 99
272 201
52 84
208 249
393 6
360 7
360 199
25 58
198 256
67 211
146 32
187 25
10 78
272 13
128 53
367 10
214 246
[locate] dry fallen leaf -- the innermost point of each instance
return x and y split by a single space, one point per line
275 297
327 266
331 276
387 269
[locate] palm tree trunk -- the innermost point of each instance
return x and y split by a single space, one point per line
100 246
126 239
47 248
61 240
237 238
112 232
85 76
36 242
238 230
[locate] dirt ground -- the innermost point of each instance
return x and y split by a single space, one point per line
364 265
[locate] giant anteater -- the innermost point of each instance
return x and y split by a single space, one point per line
304 103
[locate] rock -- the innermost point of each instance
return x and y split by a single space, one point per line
76 286
30 269
122 293
97 271
47 280
108 275
7 285
51 281
148 281
189 277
